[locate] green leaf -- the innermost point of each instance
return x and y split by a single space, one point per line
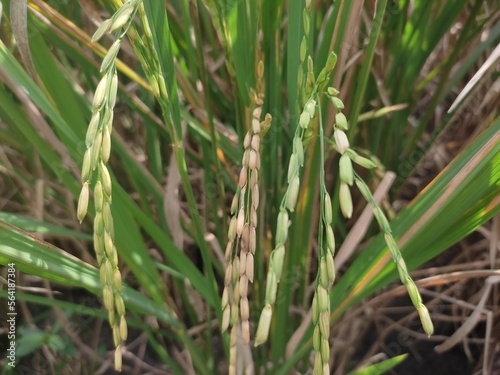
31 225
381 367
36 257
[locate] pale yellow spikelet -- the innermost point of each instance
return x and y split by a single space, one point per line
118 358
341 140
106 180
100 94
102 30
264 325
345 200
121 17
123 328
83 202
426 320
110 55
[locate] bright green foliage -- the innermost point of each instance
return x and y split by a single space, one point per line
187 73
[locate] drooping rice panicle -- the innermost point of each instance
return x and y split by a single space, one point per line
242 234
396 256
98 143
289 200
326 273
347 177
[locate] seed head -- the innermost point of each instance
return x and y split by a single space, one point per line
252 241
100 94
236 299
117 280
330 267
108 245
240 222
328 212
330 62
83 202
245 331
113 89
303 49
102 275
106 145
316 339
271 287
120 305
106 180
277 260
228 274
325 350
111 318
318 364
118 358
243 286
323 274
98 224
96 150
231 235
255 142
292 166
310 107
323 299
86 166
330 239
315 309
226 314
264 325
255 196
403 272
282 227
341 140
234 204
121 16
108 219
337 103
382 220
92 129
253 216
346 171
253 160
293 193
123 328
250 267
246 140
98 196
426 320
101 30
243 177
364 162
243 262
365 191
332 91
341 121
110 55
244 309
256 125
304 120
99 249
298 149
306 21
413 292
324 324
345 200
107 296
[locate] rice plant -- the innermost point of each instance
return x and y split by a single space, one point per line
201 187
